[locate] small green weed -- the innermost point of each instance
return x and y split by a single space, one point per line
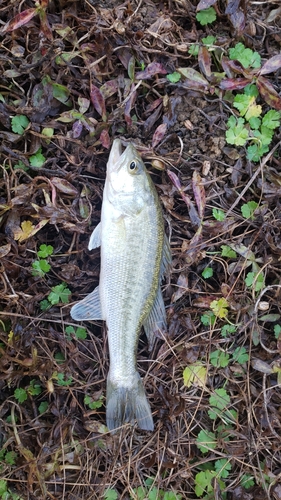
255 280
93 405
207 273
277 331
41 266
206 16
245 56
150 492
218 214
78 333
19 124
6 493
61 380
8 457
248 209
38 159
33 389
110 494
59 293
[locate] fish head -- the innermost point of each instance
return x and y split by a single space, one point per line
128 186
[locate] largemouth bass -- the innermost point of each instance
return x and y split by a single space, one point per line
134 256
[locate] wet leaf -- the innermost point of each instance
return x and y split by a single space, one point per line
193 79
98 101
64 186
159 134
151 70
20 19
272 65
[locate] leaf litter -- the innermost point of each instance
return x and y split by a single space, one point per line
73 77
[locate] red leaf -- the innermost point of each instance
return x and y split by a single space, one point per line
159 134
98 101
20 19
152 69
234 83
268 92
205 4
204 60
199 193
273 64
105 139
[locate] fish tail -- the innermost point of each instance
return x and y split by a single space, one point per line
127 404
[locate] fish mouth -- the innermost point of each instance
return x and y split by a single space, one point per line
118 155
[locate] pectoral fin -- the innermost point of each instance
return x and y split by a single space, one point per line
88 308
156 319
95 239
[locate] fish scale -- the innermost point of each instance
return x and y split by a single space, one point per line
134 256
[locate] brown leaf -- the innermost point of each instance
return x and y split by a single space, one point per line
273 64
268 92
182 284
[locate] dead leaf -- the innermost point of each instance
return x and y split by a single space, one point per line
27 230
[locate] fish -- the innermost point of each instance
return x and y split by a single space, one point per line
135 255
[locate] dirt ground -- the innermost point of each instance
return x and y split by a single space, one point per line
74 76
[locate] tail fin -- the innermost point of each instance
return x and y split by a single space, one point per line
127 404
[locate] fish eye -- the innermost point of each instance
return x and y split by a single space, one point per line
132 165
